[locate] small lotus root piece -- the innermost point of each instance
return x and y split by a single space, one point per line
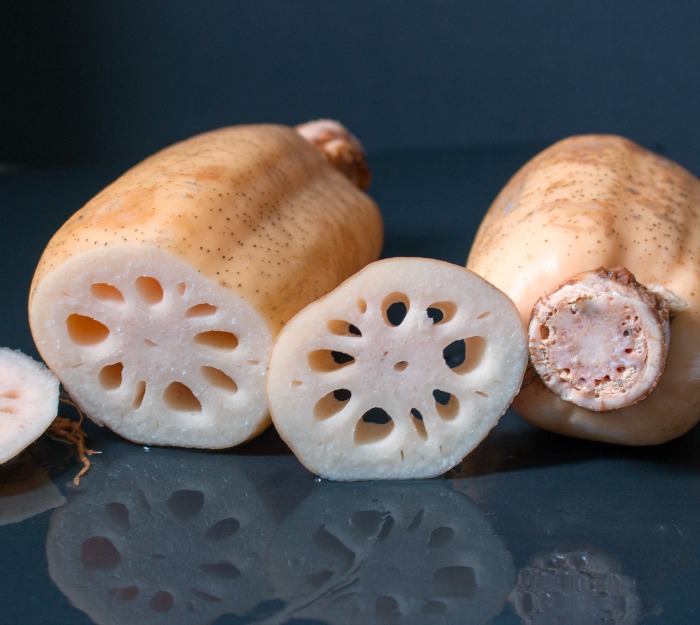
28 401
398 373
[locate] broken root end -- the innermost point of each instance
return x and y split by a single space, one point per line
600 340
340 147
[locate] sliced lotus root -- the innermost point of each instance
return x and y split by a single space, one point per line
164 536
28 401
155 303
382 553
162 354
398 373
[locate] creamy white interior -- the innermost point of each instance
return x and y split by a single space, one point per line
152 349
28 401
433 414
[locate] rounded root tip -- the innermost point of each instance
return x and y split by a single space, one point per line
600 340
343 150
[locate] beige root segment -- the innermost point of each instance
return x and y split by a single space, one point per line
600 340
587 202
156 304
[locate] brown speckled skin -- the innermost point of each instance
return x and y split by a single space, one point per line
256 209
602 201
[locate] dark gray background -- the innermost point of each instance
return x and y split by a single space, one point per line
96 81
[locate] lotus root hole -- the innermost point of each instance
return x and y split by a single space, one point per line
395 308
86 331
327 360
106 292
419 423
139 394
149 289
217 339
374 425
446 404
111 376
219 379
441 312
201 310
332 403
465 355
343 328
8 409
178 396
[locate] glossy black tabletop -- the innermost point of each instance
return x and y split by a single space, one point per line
532 527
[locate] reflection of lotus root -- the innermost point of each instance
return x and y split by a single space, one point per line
576 588
386 552
170 539
25 491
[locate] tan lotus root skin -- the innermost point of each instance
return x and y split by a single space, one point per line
156 304
398 373
599 227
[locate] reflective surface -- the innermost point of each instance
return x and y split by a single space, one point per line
532 528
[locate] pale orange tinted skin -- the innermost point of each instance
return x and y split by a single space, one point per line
602 201
257 209
248 222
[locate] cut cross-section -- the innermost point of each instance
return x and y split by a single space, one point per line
190 263
28 401
155 351
398 373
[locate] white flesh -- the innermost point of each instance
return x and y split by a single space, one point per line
28 401
327 412
153 349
